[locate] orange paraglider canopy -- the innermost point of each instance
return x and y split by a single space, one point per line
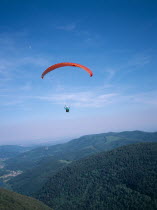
58 65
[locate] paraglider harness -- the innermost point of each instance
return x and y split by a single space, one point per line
67 108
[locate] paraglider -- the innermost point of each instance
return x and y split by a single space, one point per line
58 65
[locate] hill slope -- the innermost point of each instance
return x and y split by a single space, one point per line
124 178
14 201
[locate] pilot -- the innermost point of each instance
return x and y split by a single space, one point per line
67 108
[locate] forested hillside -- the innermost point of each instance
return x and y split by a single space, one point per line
124 178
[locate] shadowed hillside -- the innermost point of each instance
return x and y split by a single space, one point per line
14 201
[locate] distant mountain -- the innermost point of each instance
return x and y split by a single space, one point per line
120 179
14 201
8 151
79 148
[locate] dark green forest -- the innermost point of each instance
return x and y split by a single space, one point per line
14 201
91 172
123 178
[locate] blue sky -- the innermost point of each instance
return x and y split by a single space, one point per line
115 39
